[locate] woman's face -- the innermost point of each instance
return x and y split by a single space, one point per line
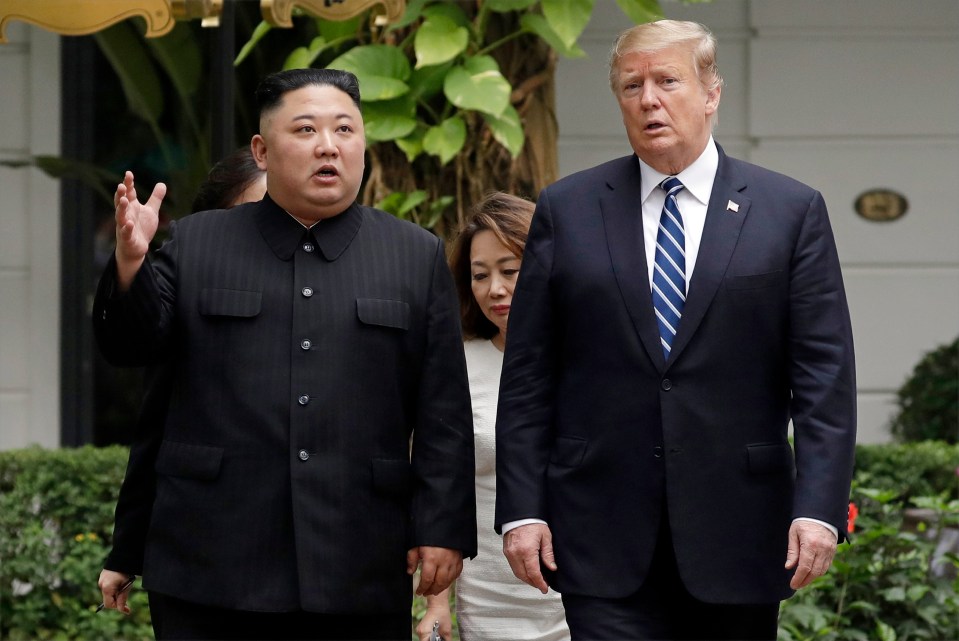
493 269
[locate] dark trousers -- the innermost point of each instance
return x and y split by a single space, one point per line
663 610
178 620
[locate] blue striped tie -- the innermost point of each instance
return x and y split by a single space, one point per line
669 269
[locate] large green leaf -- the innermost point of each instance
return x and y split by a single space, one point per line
640 11
336 29
568 17
503 6
478 85
428 81
138 76
381 69
258 34
179 55
414 9
400 204
389 119
446 139
507 130
181 58
304 57
439 40
538 25
447 10
58 167
412 145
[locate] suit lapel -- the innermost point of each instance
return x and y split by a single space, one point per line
623 221
720 235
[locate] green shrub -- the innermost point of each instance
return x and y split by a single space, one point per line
909 469
881 585
929 399
56 522
56 526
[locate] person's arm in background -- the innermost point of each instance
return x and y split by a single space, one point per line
135 502
437 609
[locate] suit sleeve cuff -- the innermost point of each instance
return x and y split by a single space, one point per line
831 528
512 525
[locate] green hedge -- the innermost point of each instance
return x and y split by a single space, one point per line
923 468
929 399
56 523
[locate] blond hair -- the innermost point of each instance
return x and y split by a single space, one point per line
656 36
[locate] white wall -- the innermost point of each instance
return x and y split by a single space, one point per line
845 96
29 241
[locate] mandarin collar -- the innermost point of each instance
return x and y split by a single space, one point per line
284 233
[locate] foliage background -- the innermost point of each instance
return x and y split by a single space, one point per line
56 525
929 399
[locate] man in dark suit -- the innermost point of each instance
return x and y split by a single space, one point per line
318 445
660 341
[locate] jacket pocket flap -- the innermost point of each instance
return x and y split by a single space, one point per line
391 476
388 313
755 281
568 451
189 460
765 458
229 302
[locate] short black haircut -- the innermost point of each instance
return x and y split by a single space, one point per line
270 91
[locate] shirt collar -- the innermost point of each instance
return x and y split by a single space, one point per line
284 233
697 178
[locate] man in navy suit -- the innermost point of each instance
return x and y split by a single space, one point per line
676 309
318 445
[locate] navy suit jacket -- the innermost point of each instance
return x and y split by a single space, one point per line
600 436
319 419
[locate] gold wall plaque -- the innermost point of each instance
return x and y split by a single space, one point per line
279 13
83 17
881 205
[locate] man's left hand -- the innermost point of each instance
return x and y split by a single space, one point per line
811 549
440 567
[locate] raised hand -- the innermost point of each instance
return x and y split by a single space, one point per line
136 226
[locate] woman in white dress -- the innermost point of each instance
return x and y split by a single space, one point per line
491 603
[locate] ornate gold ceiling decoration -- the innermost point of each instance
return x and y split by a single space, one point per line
78 18
83 17
279 12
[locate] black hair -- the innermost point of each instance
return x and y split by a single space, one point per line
271 89
227 180
508 217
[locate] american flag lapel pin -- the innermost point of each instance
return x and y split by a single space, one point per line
731 206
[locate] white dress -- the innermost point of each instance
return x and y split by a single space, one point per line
491 603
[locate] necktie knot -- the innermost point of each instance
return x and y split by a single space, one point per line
672 186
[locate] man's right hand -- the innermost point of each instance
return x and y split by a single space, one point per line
524 547
136 227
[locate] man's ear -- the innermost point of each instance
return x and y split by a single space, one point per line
258 149
712 100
